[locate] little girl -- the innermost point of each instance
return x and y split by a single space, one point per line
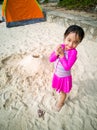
64 57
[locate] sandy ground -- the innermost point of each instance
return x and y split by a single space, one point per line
25 81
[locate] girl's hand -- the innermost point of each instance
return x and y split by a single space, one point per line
59 51
61 54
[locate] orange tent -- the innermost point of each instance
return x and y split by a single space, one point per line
21 12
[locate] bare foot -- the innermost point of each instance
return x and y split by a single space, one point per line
61 101
58 106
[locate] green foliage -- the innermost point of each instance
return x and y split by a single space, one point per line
78 4
46 1
1 1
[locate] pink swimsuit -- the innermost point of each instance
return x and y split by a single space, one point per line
62 78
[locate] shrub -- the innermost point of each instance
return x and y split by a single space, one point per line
78 4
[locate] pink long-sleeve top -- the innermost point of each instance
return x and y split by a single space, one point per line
67 61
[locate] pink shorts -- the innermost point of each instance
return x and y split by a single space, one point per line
63 84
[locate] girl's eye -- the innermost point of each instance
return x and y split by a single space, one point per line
69 40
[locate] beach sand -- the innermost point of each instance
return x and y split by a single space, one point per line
25 81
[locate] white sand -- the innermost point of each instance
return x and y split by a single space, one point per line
25 81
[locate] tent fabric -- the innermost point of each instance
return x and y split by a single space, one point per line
3 8
21 12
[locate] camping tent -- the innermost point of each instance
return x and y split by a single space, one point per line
21 12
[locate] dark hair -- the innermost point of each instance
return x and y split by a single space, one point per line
75 29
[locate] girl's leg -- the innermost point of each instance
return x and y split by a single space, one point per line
61 101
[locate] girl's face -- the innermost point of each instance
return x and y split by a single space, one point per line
71 41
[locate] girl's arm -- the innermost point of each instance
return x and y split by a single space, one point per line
53 57
68 63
